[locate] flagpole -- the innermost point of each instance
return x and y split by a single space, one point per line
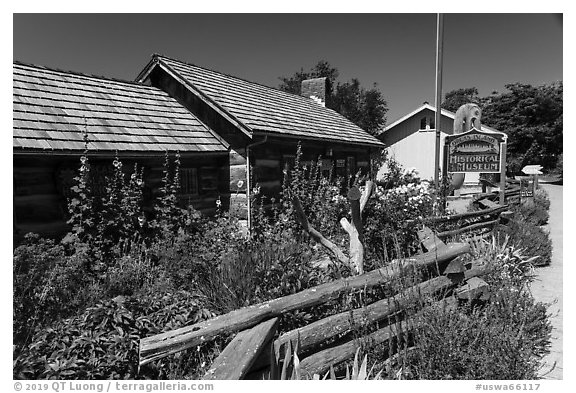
439 48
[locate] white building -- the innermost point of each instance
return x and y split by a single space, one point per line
411 140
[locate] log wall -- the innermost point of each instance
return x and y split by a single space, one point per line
42 187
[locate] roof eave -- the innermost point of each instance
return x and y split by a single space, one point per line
146 70
375 144
22 151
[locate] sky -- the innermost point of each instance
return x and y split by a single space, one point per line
396 51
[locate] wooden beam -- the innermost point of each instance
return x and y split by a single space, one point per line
469 228
496 209
238 357
475 288
429 239
354 230
164 344
487 203
368 190
317 236
317 332
320 362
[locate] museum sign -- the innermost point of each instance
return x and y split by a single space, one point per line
474 151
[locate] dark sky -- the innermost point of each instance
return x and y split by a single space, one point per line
396 51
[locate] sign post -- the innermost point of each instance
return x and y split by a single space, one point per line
533 171
503 174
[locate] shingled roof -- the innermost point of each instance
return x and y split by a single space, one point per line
52 109
262 109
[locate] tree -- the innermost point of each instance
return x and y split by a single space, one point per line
364 107
456 98
532 118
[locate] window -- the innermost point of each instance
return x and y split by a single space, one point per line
351 162
427 123
189 181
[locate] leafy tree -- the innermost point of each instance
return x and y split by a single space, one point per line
364 107
456 98
532 118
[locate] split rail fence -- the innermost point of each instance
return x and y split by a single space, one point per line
479 222
257 349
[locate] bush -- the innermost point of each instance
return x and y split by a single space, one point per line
102 342
401 200
502 338
534 210
530 238
501 341
47 284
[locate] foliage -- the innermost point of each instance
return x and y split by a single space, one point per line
500 341
534 210
541 199
532 118
524 229
400 201
107 251
81 208
102 342
456 98
291 365
364 107
47 284
169 217
503 338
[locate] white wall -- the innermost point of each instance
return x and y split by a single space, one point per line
417 151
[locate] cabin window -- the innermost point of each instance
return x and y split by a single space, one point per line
432 123
188 181
351 162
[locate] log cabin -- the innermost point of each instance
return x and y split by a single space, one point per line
232 135
263 125
53 109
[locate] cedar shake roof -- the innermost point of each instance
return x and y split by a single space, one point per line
262 109
52 109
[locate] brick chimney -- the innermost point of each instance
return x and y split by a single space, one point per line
314 89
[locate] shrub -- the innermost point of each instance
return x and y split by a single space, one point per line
401 200
47 284
534 210
533 240
233 271
501 341
102 342
502 338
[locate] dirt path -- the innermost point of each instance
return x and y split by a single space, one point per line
547 287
